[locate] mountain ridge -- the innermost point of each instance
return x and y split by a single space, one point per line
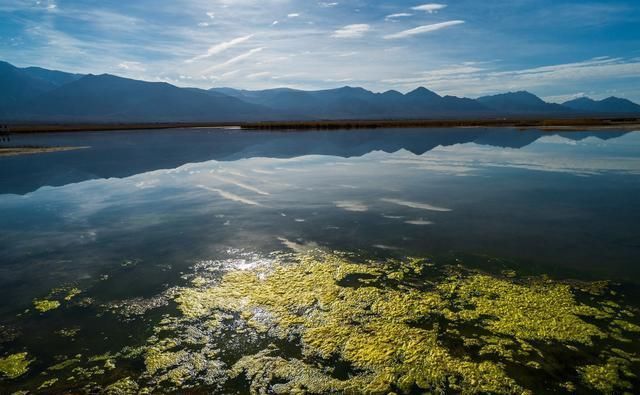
35 94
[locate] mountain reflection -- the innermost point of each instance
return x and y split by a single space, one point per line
122 154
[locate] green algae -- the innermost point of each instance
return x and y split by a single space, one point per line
68 362
123 386
68 332
608 378
544 311
48 383
394 326
56 295
72 293
14 365
375 328
44 305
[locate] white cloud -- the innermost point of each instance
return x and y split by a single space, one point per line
211 15
430 8
352 31
203 24
423 29
218 48
398 15
293 15
327 4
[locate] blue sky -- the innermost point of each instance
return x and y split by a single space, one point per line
556 49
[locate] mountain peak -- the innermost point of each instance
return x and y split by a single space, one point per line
423 93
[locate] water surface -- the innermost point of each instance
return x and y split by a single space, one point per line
134 217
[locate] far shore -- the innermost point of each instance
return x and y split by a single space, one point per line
562 124
14 151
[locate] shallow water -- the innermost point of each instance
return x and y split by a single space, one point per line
133 220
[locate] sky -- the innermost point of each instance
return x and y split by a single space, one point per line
557 49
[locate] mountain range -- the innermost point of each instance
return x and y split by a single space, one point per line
34 94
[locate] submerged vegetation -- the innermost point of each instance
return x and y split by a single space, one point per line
14 365
318 322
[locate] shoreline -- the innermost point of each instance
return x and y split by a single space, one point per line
520 123
15 151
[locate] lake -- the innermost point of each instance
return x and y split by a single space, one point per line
468 260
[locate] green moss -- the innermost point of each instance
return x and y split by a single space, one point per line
44 305
14 365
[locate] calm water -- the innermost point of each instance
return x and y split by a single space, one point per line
133 215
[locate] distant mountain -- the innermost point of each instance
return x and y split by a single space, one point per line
358 103
522 102
610 105
97 98
34 94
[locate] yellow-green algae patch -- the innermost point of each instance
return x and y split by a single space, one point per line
14 365
123 386
44 305
394 337
56 295
610 377
72 293
318 322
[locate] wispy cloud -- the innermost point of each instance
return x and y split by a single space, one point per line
293 15
475 80
398 15
260 74
352 31
133 66
233 60
423 29
430 8
218 48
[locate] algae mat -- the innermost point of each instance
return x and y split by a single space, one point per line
316 321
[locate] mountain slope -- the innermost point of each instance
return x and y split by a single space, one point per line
17 85
110 98
54 77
